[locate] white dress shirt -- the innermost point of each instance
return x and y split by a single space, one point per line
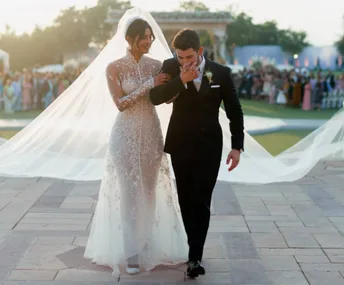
198 81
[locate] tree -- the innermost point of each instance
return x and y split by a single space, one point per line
115 4
292 41
244 32
95 17
340 45
241 31
193 6
70 28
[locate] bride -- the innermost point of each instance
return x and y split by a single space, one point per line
135 221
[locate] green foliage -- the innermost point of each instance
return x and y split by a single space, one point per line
340 45
193 6
244 32
72 31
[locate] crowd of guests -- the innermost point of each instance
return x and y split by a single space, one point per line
306 90
27 90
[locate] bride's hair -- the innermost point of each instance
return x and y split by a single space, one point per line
137 29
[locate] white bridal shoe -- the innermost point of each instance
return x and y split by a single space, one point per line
132 270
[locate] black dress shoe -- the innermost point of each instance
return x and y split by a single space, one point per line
195 268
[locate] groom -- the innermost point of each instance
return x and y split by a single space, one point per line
194 137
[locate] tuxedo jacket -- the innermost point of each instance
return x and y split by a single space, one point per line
194 123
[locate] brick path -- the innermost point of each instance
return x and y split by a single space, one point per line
282 234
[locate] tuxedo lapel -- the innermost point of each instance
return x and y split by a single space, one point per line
205 85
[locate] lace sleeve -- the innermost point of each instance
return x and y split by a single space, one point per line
121 100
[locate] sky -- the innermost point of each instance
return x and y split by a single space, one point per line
322 20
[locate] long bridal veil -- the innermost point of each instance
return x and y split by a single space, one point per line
69 139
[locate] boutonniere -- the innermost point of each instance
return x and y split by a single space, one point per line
209 76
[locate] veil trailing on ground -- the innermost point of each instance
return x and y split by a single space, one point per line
69 139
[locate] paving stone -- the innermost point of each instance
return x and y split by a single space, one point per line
214 252
255 210
296 196
227 223
216 265
290 251
158 275
57 282
225 201
287 278
85 190
324 278
60 233
335 255
50 227
73 257
311 259
32 275
279 263
330 240
269 240
44 257
325 201
262 227
80 241
54 240
299 239
49 201
79 275
239 246
59 188
246 271
208 279
338 222
269 218
60 210
281 210
275 200
322 267
297 224
12 249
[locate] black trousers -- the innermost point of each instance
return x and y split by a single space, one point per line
196 174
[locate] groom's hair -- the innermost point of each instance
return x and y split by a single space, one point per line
186 39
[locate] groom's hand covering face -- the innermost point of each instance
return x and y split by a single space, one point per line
189 56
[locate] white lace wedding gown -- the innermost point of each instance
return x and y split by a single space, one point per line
137 214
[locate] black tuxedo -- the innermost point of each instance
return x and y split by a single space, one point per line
194 140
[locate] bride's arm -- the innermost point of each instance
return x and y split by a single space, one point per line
166 93
121 100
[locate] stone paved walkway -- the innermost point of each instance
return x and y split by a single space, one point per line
282 234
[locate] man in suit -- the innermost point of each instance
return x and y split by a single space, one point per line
194 137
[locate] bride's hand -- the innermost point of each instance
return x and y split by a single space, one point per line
161 78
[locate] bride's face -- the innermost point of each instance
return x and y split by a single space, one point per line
143 45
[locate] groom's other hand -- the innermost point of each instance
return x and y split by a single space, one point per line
188 72
233 159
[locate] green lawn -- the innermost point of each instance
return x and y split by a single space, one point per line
20 115
250 108
263 109
277 142
7 134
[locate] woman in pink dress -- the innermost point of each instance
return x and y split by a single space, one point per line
307 100
26 92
